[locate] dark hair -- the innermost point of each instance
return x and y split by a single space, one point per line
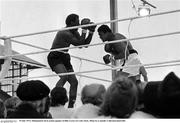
71 18
58 96
162 98
120 99
95 97
47 104
104 29
46 113
32 90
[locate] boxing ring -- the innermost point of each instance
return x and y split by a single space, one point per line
8 40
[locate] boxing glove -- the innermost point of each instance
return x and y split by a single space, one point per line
84 22
108 48
106 59
91 28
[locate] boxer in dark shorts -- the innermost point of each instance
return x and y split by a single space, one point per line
56 57
59 61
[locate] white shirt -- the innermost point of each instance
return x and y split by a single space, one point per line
141 115
86 111
61 112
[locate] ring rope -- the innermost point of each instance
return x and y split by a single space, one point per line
36 65
166 65
89 45
91 61
90 71
28 44
80 58
146 65
160 63
105 22
52 75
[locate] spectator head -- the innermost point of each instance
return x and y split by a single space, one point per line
121 98
162 98
93 93
34 92
58 96
11 104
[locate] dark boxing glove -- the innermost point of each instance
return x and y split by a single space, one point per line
84 22
108 48
106 59
91 28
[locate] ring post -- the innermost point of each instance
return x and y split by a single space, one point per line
114 27
7 61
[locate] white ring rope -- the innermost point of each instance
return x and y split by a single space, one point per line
97 70
166 65
105 22
15 41
52 75
160 63
80 58
36 65
88 45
